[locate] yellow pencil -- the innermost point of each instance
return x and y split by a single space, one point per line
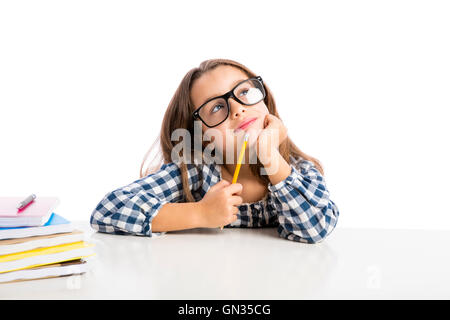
238 166
241 156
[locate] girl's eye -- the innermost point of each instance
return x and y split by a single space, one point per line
244 91
216 108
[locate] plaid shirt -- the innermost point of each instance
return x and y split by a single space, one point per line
299 206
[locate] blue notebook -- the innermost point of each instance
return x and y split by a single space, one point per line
55 224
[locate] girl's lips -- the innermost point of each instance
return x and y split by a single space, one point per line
246 125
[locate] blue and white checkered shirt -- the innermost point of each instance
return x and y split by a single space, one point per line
299 206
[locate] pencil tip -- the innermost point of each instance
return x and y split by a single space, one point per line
246 137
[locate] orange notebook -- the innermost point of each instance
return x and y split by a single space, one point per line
35 214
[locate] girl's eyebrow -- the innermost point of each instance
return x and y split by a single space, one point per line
218 95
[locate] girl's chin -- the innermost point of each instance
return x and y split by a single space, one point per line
253 135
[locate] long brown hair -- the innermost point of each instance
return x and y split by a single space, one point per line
179 115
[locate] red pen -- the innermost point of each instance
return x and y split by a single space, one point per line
26 202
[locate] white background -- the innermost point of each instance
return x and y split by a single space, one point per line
361 85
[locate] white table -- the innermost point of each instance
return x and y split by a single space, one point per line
255 264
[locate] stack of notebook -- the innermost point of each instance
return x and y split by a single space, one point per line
37 243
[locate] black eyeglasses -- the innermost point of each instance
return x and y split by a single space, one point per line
216 110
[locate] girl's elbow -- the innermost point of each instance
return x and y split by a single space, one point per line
323 223
306 236
316 229
101 214
96 221
321 234
325 229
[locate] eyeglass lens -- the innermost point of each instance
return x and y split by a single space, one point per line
215 111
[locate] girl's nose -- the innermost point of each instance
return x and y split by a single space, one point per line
235 108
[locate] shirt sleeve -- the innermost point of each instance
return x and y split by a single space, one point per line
305 211
131 209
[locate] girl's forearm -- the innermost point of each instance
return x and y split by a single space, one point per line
177 216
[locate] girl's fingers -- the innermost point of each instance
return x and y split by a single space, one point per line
236 200
234 188
222 183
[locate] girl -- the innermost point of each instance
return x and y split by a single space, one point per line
226 97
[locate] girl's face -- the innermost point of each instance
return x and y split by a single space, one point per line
227 136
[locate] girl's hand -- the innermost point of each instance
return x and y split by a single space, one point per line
270 138
219 205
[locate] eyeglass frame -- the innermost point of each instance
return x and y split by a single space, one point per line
226 96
